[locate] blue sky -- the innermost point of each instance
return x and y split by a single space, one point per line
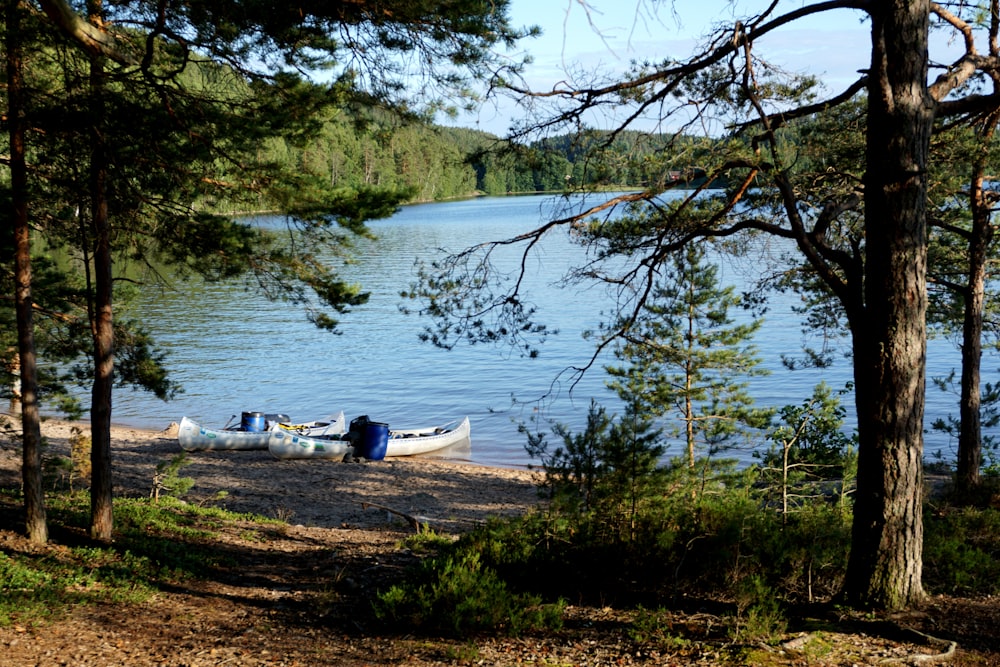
618 31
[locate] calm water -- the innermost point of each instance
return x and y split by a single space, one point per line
233 351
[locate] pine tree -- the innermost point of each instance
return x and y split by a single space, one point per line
685 358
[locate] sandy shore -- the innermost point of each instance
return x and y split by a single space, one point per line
449 496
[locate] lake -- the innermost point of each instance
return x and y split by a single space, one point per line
232 350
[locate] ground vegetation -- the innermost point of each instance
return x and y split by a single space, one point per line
257 562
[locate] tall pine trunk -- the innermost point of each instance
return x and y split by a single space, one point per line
890 341
101 497
970 435
31 470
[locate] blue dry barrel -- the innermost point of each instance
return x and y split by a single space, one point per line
253 422
374 441
371 439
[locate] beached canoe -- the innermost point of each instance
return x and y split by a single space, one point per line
192 436
287 444
412 442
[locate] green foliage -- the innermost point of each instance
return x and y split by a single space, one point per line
653 627
696 534
572 469
167 480
608 471
16 577
25 589
426 542
810 456
713 536
989 415
803 557
813 435
962 551
156 545
759 616
463 655
619 516
356 149
686 358
166 516
457 594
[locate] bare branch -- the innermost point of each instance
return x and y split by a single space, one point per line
965 67
669 78
90 37
779 119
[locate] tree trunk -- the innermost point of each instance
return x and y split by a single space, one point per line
101 497
970 427
890 343
31 470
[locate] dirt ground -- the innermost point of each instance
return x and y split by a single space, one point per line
297 597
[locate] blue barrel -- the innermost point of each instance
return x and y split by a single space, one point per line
253 422
373 442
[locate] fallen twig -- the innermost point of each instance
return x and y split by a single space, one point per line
412 520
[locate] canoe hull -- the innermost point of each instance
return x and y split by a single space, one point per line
413 442
192 436
284 444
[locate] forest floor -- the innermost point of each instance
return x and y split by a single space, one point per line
301 592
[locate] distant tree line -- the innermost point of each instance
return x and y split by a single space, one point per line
435 162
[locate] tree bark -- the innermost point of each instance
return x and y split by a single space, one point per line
31 470
101 496
884 568
970 428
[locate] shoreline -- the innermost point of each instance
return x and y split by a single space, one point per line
170 431
449 496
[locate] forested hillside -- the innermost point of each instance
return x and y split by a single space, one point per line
433 162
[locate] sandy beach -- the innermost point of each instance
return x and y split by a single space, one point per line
448 496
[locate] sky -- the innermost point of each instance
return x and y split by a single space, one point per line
616 32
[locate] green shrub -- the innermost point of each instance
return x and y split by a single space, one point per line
802 556
704 530
456 594
758 612
427 542
962 551
654 628
167 480
625 528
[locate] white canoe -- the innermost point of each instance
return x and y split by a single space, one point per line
287 444
290 444
192 436
411 442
